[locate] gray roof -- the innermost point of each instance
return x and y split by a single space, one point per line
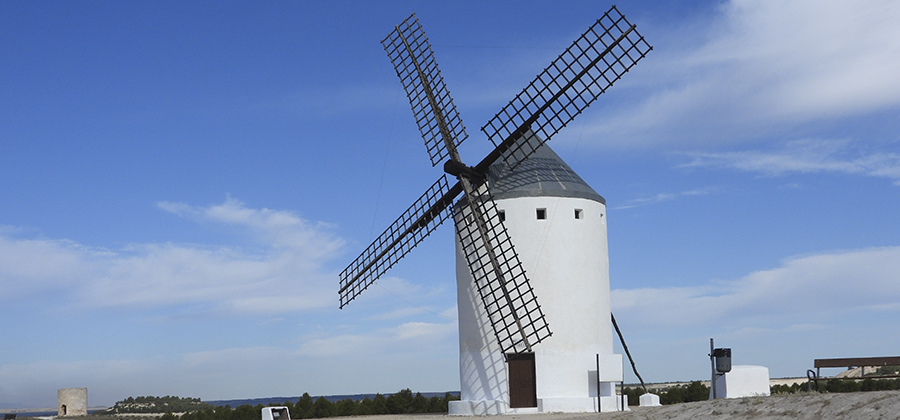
543 174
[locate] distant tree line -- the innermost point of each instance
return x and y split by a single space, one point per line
841 385
403 402
156 405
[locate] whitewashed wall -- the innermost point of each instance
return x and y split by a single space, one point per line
567 261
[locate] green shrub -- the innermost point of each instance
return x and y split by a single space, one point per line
694 391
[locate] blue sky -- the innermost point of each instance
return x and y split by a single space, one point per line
180 184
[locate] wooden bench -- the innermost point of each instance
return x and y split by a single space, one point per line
850 362
860 362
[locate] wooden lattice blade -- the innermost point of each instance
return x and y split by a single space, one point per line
515 315
416 223
596 60
432 107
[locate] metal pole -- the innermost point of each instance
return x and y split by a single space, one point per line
712 365
598 383
622 394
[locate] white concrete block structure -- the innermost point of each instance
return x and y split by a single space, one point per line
558 226
743 381
649 400
72 401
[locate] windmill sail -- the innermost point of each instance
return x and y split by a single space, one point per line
504 289
518 167
416 223
596 60
510 302
429 98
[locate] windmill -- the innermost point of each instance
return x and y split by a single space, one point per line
502 368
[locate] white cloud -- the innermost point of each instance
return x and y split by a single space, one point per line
277 228
213 373
287 274
806 156
395 298
814 287
764 65
38 265
636 202
838 304
410 336
34 385
425 353
810 59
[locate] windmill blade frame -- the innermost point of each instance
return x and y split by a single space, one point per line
517 322
509 300
566 87
499 310
418 221
433 108
558 94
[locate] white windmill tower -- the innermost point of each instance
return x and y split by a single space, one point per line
546 221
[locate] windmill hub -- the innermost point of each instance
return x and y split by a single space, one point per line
458 169
545 235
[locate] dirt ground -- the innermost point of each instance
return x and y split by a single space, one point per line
849 406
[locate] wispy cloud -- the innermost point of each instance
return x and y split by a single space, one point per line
806 156
421 336
25 383
319 365
763 65
812 287
289 267
658 198
782 317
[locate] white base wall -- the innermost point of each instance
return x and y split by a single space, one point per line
743 381
614 403
478 408
545 405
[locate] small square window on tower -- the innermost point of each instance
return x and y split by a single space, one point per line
501 214
579 213
541 214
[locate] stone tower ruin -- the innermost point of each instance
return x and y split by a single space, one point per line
72 401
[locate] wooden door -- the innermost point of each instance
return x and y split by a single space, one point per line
522 384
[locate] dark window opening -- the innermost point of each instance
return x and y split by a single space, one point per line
501 215
541 214
579 213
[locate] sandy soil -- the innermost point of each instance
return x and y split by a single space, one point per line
849 406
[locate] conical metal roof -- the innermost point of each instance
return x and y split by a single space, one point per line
543 174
